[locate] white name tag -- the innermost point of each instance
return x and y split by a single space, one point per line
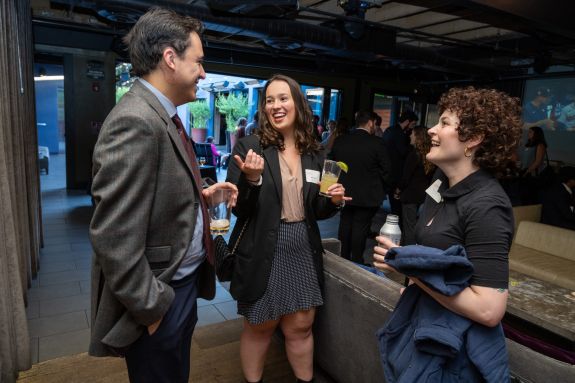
433 191
312 176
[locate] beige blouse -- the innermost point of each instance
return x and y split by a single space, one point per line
292 191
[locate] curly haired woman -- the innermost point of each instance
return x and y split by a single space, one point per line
472 144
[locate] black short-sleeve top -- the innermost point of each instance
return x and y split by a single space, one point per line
475 213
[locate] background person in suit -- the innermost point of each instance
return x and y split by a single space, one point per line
150 234
558 201
279 271
396 140
367 181
416 177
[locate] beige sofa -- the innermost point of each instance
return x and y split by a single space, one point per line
526 213
544 252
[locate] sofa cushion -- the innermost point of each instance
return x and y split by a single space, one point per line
526 213
547 239
544 266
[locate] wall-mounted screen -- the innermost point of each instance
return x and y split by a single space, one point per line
550 104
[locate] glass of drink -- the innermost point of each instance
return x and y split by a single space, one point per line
202 161
220 211
329 176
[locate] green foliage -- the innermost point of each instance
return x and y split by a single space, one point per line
120 91
201 113
233 106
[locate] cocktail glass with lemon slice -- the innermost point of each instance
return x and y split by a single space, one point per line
330 175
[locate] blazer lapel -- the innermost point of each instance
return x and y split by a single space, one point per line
306 163
272 158
175 137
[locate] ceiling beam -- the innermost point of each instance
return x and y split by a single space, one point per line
556 18
526 16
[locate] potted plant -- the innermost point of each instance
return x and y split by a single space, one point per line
199 115
233 106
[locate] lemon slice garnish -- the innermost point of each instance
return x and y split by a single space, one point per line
343 166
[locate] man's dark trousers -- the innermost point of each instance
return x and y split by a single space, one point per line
354 228
164 357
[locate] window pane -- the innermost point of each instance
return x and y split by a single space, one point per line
314 98
334 103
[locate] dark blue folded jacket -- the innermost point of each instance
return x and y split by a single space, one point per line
424 342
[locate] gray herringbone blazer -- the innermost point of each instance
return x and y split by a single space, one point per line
143 221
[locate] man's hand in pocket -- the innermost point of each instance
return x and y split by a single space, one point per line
154 326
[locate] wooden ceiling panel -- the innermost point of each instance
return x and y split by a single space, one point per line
451 27
415 22
391 11
485 34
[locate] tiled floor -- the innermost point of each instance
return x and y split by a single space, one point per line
59 301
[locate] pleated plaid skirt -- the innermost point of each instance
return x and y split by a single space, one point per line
293 284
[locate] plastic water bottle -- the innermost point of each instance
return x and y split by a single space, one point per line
391 229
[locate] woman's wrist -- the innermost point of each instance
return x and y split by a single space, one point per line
339 204
256 181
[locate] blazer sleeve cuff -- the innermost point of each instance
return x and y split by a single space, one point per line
151 315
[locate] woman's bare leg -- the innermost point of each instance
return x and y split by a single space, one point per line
254 344
299 342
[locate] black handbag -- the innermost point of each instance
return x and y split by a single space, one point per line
225 259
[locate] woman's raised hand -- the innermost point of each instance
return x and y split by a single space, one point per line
252 166
337 193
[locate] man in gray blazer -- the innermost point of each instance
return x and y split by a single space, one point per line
152 249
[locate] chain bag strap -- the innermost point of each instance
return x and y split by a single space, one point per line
225 259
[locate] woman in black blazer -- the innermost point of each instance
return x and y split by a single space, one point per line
278 271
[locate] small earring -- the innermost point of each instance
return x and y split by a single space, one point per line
465 153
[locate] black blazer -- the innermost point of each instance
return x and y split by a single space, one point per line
556 209
397 144
369 176
413 181
262 206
